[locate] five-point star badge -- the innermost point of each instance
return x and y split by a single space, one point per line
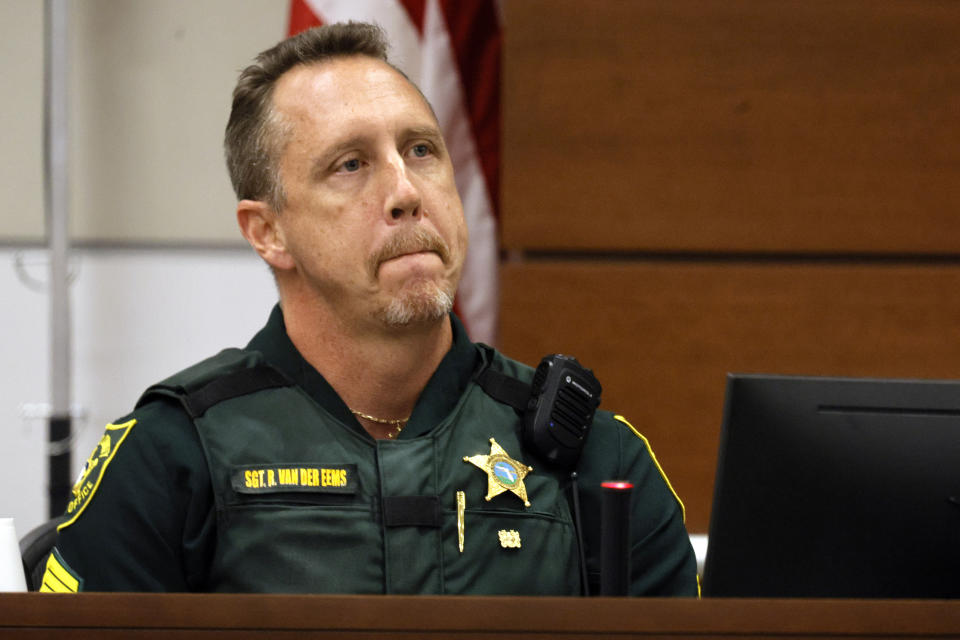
503 472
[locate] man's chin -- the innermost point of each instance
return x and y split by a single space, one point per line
421 305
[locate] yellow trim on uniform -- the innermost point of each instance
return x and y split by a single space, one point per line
113 451
653 456
683 510
58 578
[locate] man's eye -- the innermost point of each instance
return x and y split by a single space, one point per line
351 165
420 150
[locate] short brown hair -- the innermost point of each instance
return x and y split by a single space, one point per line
254 137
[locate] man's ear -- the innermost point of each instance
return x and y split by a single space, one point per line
259 225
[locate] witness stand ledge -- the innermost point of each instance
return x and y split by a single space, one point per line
242 616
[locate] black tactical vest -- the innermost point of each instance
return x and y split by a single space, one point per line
306 503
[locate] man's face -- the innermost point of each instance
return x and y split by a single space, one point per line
372 220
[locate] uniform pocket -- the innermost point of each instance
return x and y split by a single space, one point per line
273 546
510 552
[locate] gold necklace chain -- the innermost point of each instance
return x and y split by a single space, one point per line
397 424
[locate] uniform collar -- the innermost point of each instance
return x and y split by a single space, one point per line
438 399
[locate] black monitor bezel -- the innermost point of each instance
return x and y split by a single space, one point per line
747 564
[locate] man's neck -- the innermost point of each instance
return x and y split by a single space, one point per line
380 373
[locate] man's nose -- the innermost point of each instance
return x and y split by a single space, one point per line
403 197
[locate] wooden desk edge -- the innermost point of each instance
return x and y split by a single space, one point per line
487 615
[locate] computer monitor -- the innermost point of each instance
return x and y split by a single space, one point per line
836 487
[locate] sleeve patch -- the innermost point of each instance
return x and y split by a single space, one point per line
683 509
59 577
86 486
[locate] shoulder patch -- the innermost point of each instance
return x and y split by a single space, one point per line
59 577
93 471
656 463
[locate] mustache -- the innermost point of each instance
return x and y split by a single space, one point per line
410 240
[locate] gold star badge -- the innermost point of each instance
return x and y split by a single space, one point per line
503 472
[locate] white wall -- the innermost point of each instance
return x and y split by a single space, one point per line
21 119
138 316
149 96
149 93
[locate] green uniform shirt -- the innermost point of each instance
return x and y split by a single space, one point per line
144 516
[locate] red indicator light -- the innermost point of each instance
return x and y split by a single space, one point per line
617 484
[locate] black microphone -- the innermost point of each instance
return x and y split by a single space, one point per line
615 538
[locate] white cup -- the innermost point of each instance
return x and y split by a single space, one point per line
11 566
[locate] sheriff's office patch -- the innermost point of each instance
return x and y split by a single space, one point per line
59 577
89 480
305 478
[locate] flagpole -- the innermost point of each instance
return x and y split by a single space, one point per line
57 215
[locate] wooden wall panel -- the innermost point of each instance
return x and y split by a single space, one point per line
732 125
662 336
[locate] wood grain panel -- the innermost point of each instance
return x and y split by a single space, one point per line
732 125
661 337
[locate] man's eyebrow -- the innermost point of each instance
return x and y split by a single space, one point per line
431 132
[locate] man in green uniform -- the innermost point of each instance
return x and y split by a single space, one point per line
351 446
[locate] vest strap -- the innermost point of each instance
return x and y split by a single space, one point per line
411 511
503 388
233 385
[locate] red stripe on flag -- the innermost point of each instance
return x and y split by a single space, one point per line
302 17
476 38
416 9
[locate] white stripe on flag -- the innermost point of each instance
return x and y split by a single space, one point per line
389 14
